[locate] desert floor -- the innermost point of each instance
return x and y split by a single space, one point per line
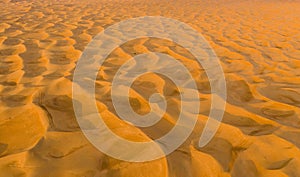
257 42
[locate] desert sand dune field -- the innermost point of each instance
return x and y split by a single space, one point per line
257 42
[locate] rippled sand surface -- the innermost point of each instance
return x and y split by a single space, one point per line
257 42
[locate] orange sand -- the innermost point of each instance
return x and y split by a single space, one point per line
258 43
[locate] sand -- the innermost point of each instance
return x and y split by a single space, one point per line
257 42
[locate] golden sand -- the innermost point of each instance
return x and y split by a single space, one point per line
257 42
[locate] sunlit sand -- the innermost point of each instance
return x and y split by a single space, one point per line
257 42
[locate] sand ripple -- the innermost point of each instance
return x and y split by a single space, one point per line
257 42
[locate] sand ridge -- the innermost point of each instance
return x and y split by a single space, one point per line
257 43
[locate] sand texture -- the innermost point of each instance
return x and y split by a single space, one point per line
257 42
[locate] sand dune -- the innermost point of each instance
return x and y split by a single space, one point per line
258 43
